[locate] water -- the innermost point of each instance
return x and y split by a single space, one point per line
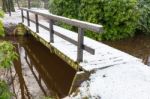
38 73
139 46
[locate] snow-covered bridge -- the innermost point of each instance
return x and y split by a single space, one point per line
70 44
113 73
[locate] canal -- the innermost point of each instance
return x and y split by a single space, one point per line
38 73
139 46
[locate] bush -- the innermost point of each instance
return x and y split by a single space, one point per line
4 91
67 8
7 54
36 3
144 22
119 17
1 24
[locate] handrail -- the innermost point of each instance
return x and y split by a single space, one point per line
82 25
73 22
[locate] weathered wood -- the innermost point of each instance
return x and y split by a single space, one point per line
28 18
80 24
44 27
80 45
37 23
73 22
85 47
51 30
22 15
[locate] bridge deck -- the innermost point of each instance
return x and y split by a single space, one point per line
105 56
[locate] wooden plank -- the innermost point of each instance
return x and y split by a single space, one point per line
22 16
51 30
28 19
73 22
80 45
44 27
37 23
85 47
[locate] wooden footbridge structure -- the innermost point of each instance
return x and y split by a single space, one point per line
78 51
86 54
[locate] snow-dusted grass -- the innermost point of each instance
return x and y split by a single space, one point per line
123 81
15 18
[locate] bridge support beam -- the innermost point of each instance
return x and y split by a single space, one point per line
80 45
28 18
51 30
37 23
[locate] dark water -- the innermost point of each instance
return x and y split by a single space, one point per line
39 72
138 46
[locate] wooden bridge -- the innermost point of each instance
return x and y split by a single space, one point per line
78 51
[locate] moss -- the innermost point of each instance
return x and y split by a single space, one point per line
20 30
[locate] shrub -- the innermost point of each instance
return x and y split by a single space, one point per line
1 24
4 91
119 17
67 8
7 54
36 3
144 22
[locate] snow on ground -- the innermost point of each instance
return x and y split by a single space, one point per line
124 81
117 75
15 17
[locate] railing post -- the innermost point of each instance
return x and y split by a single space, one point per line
22 16
37 23
28 18
51 30
80 44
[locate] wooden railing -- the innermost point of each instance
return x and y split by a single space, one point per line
81 25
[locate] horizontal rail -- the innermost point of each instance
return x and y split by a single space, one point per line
73 22
85 47
81 25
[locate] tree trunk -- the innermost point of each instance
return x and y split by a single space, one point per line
46 4
4 5
8 5
11 6
29 4
18 4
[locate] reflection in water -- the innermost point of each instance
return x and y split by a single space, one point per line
138 46
39 72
